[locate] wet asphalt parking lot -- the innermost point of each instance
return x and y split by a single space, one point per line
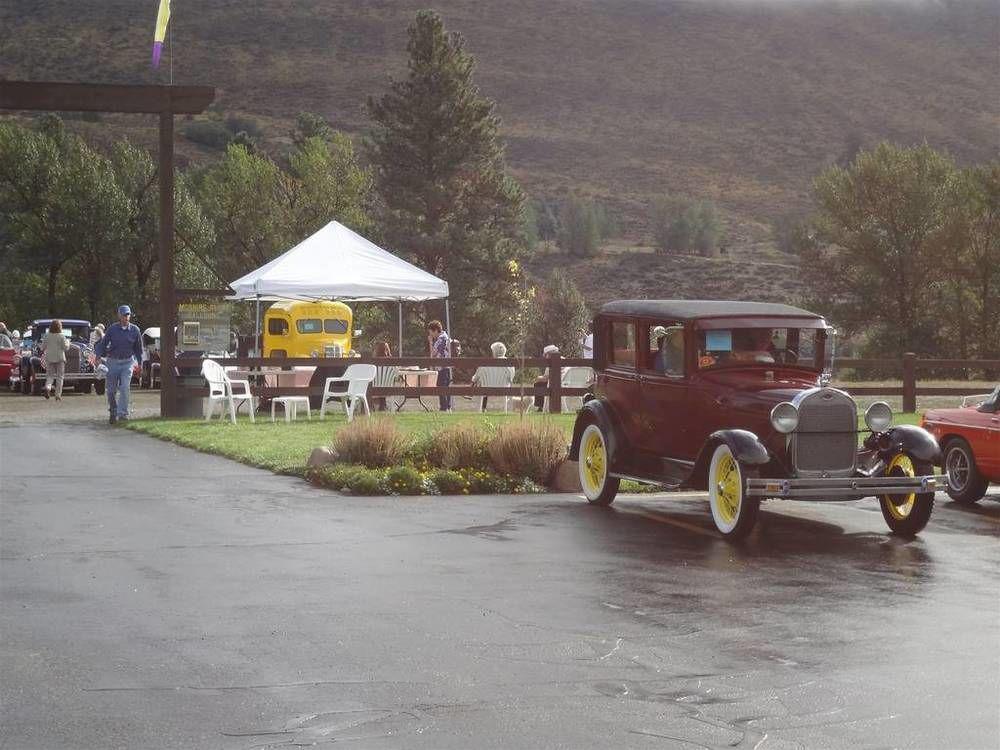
154 597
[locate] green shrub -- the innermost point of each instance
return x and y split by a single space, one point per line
248 125
448 481
459 446
372 442
367 482
207 133
404 480
528 449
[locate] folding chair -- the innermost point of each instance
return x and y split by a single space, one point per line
385 377
220 391
357 378
494 377
573 377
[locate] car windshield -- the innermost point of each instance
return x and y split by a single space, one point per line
738 347
69 332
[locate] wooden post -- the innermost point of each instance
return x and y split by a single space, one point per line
555 384
909 382
168 298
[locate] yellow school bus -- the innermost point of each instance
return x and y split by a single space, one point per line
307 329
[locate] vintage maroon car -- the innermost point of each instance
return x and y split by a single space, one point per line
732 397
970 445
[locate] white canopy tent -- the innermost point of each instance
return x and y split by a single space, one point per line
337 263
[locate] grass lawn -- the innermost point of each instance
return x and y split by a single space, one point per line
284 447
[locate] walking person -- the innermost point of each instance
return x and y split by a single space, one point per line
121 346
54 348
440 348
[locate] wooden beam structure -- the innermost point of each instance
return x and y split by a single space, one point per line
55 96
165 101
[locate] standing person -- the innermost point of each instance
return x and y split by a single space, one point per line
97 334
121 344
440 348
54 347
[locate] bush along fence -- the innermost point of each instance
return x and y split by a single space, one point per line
907 368
190 383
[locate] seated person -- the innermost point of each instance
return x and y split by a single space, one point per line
753 345
499 350
549 351
669 358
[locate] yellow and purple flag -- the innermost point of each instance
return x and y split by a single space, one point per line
162 18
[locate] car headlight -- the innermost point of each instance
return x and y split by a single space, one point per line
878 416
785 417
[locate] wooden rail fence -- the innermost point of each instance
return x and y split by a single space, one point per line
908 366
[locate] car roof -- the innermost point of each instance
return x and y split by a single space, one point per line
691 309
71 321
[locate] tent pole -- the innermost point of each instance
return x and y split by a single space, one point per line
400 349
256 338
447 317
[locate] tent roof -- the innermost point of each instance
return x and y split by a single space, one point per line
336 263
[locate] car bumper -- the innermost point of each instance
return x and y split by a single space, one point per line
844 487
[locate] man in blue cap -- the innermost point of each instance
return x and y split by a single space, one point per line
121 343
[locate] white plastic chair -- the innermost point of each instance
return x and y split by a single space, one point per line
358 378
385 377
494 377
220 391
573 377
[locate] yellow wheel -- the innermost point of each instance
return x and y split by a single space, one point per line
907 514
599 487
733 512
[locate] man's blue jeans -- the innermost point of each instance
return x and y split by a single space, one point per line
118 381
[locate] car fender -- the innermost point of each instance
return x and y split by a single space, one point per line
745 445
598 411
911 439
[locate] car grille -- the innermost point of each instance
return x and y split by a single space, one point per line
826 439
73 359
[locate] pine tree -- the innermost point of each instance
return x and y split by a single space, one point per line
446 201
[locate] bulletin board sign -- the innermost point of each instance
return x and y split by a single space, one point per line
204 326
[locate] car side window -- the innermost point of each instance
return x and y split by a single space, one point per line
665 348
277 327
622 343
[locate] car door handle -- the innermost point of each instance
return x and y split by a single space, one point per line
722 401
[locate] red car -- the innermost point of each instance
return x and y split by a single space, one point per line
970 445
7 352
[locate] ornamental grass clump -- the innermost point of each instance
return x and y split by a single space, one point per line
529 449
460 446
375 443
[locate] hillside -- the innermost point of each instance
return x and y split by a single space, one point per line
742 102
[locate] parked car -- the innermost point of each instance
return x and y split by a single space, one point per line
732 397
80 373
970 444
21 347
8 350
